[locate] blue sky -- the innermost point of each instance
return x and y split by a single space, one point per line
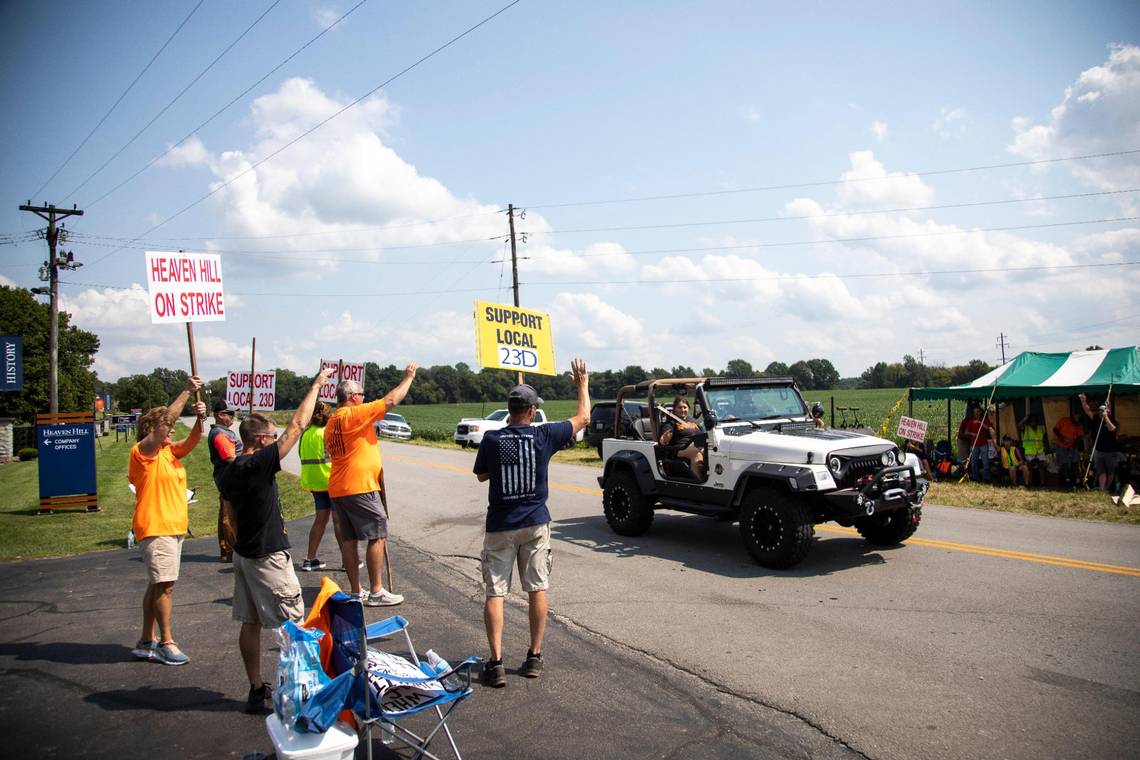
370 238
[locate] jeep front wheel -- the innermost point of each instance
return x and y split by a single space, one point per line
776 529
889 528
628 511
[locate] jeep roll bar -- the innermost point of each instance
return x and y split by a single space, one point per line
648 387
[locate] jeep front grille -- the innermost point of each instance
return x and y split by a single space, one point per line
855 468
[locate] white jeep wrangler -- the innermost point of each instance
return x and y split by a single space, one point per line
766 465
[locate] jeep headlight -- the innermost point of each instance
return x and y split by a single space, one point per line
889 459
834 465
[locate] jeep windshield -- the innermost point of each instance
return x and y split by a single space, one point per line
755 403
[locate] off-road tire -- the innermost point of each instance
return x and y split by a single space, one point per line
889 528
628 511
777 530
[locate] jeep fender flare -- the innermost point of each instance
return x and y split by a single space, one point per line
635 462
789 478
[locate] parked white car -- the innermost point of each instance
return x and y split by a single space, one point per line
469 430
393 425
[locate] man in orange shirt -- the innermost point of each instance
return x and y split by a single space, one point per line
1067 435
162 517
354 483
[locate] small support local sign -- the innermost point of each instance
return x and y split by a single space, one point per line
264 390
912 429
510 337
348 371
66 444
185 287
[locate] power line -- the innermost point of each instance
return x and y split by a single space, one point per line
320 124
864 239
193 81
120 99
226 107
943 206
825 183
804 217
493 288
854 276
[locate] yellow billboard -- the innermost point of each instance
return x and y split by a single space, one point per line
508 337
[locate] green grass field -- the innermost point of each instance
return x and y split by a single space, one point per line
437 421
25 534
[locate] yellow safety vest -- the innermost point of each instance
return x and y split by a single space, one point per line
315 461
1033 441
1010 457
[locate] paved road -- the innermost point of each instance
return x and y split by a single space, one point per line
989 634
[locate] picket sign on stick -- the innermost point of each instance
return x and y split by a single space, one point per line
185 287
252 371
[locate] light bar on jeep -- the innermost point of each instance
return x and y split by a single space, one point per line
714 382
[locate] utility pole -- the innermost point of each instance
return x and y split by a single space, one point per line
1003 345
514 264
50 272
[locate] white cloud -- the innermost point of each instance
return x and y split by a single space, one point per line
339 188
585 321
869 185
879 130
950 122
1100 113
594 258
6 282
189 153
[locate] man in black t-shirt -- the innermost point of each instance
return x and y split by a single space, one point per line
514 462
266 589
1107 454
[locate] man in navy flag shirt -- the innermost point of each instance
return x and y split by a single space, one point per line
515 460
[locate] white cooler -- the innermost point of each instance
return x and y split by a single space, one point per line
338 743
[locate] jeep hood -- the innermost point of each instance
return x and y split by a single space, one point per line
792 446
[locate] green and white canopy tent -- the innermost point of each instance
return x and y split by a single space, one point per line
1032 374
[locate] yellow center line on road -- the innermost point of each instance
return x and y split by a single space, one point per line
988 551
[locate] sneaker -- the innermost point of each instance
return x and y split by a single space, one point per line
260 700
381 598
144 650
532 668
170 654
494 674
312 564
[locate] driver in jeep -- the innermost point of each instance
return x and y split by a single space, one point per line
679 433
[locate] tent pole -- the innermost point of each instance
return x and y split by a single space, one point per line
948 430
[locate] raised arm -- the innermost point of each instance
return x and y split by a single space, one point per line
304 413
1085 405
174 411
581 378
397 394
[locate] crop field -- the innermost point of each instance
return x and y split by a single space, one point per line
437 421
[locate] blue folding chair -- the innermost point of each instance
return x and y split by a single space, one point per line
388 689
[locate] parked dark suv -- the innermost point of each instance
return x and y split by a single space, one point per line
602 421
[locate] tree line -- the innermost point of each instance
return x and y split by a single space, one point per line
447 384
21 314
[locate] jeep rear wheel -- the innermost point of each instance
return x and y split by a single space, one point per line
889 528
776 529
628 511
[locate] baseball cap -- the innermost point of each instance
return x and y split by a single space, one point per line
221 406
523 395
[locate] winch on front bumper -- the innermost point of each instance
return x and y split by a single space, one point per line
889 489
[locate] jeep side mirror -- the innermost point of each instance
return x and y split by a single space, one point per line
710 419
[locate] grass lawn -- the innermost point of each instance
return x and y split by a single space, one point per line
25 534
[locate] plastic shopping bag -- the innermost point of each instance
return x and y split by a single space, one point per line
299 672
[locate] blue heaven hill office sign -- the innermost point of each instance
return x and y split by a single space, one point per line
66 443
11 363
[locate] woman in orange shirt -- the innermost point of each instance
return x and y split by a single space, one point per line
162 517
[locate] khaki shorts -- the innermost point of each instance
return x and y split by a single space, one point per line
162 558
528 547
266 590
361 516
